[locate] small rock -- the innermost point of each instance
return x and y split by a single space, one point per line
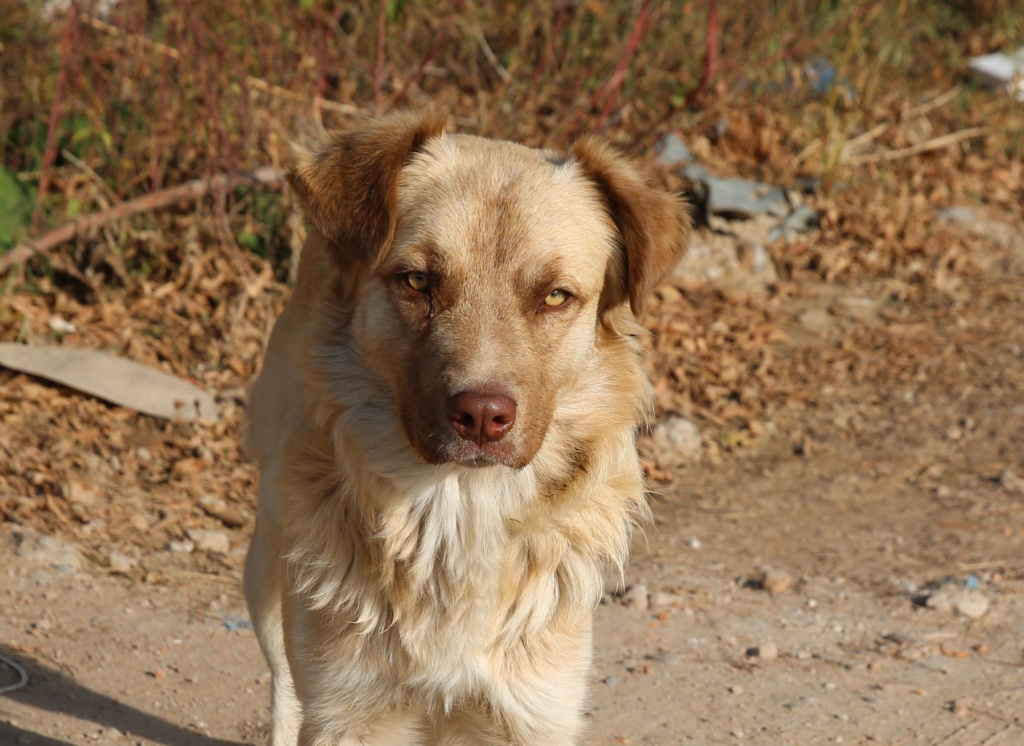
219 509
48 551
678 442
766 651
610 681
635 597
183 547
959 709
120 562
664 600
60 325
1011 482
159 674
776 581
210 540
966 602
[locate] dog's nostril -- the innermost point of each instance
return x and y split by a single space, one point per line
481 416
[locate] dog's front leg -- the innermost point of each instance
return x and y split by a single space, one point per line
264 590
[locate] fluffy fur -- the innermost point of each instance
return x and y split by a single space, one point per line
410 585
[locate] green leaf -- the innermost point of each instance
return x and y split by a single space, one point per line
250 241
395 7
15 208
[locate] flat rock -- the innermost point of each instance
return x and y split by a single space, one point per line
48 551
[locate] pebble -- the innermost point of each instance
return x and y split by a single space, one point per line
1011 482
121 562
776 581
967 602
635 597
766 651
184 547
678 441
610 681
664 600
219 509
159 674
210 540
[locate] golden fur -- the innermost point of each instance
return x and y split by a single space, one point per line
408 584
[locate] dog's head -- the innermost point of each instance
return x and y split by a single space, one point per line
485 270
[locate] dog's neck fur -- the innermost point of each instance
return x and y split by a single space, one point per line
407 552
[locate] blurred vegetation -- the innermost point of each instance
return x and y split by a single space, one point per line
102 102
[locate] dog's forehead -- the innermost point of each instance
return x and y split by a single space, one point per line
475 194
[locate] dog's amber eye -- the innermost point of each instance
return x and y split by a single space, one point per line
556 298
417 281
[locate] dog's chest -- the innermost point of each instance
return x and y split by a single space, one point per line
458 578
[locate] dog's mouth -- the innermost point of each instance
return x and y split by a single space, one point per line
472 454
476 428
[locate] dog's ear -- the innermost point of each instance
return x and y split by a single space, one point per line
653 224
349 185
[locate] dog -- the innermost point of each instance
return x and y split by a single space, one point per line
445 429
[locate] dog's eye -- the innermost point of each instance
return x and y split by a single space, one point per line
556 298
417 281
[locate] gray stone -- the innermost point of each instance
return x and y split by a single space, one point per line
671 150
678 442
737 199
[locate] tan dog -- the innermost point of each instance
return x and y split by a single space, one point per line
445 429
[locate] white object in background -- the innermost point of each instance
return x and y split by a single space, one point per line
999 70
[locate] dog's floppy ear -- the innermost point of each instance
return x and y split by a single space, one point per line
654 225
349 185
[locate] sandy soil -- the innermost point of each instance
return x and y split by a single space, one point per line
785 593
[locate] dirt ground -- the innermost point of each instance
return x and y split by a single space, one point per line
850 570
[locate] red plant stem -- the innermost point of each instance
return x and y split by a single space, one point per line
378 73
614 85
50 151
711 54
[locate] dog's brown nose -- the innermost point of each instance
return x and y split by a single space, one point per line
481 416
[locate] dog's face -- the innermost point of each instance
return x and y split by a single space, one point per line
485 270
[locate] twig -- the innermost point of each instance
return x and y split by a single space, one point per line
928 106
272 178
88 171
489 54
934 144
